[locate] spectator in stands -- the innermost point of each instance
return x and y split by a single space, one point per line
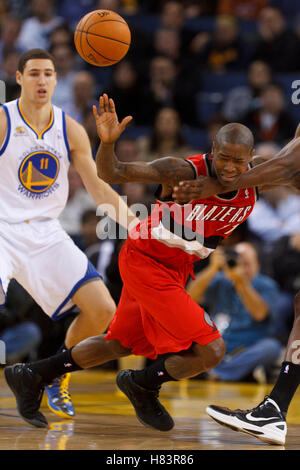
10 29
163 75
267 150
233 286
241 100
165 139
271 121
125 89
8 73
72 11
167 88
64 63
3 8
277 45
127 149
242 9
36 30
167 42
84 94
276 214
19 8
62 35
115 5
225 50
172 16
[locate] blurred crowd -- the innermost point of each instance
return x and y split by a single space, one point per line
193 66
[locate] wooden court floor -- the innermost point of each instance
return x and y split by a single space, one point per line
105 419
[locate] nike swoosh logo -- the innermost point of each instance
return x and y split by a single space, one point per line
252 418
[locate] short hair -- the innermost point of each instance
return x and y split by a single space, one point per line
34 54
235 133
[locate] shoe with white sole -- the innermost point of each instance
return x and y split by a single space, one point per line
266 421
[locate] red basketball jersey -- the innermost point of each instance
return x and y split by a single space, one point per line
176 233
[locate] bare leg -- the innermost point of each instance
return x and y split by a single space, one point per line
181 365
96 350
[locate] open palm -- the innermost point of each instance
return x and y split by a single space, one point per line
108 126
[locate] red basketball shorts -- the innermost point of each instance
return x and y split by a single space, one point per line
155 314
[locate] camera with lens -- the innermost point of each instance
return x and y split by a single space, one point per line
231 257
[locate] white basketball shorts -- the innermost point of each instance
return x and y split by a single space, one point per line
42 257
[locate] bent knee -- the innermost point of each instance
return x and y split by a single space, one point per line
217 352
118 349
212 354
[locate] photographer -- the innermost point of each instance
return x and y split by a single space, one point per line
242 302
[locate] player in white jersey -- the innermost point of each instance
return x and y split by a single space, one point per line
37 143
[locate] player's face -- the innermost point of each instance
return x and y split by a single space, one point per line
38 80
230 162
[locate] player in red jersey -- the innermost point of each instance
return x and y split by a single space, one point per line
267 421
156 318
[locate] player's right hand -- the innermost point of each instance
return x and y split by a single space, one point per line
109 128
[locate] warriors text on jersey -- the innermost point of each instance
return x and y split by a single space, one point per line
175 233
33 167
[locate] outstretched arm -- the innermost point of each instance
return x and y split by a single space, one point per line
164 170
104 196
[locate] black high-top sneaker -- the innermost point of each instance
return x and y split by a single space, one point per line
149 411
28 390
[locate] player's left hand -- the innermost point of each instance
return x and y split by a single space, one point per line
108 126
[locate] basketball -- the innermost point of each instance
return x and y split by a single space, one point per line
102 37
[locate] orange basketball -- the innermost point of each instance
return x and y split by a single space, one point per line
102 37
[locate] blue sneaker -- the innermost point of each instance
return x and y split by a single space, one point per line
59 399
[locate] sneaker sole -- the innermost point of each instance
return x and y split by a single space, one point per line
122 387
9 379
237 425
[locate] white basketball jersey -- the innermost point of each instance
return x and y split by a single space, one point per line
33 167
